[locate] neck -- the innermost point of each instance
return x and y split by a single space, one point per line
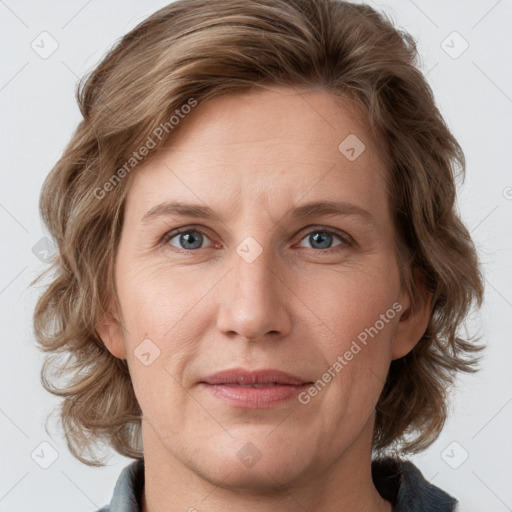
346 485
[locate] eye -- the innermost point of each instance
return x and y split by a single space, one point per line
186 239
322 239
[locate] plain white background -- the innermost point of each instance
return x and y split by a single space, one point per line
472 459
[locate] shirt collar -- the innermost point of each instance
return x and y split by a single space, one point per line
128 489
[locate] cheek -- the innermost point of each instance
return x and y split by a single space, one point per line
165 305
355 304
156 297
356 352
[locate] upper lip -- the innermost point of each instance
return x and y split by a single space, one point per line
248 377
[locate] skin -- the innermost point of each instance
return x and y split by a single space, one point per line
252 157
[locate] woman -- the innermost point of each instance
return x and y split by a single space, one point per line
261 271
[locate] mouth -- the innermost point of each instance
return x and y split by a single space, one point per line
258 389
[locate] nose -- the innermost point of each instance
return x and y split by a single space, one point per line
254 297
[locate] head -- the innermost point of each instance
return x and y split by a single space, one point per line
255 110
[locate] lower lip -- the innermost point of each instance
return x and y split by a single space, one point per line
254 398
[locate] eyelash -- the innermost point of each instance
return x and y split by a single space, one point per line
346 239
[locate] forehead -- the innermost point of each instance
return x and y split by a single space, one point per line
266 148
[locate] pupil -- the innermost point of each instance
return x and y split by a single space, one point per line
321 238
189 239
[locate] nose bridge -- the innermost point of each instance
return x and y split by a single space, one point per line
253 267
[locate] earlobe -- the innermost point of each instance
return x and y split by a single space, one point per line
109 330
413 322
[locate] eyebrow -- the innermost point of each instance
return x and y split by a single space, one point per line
312 209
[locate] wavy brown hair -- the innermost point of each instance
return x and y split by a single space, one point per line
202 49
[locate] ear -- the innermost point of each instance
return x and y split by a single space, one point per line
110 330
413 323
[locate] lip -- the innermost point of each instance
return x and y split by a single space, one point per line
250 377
254 389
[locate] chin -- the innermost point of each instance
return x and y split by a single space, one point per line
256 464
264 479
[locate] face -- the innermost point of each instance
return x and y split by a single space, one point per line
265 284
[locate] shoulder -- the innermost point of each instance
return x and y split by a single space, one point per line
403 484
128 489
